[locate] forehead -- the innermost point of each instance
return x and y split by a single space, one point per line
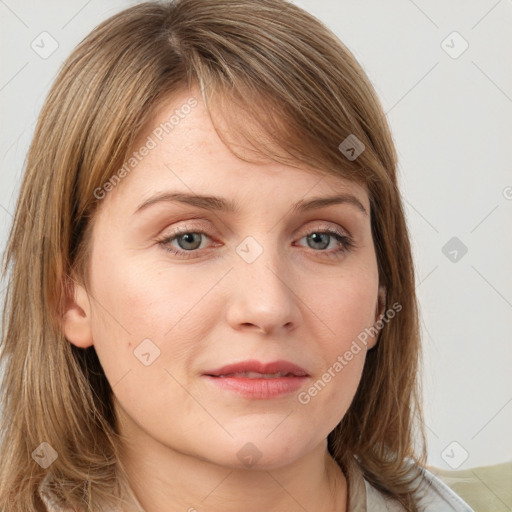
179 149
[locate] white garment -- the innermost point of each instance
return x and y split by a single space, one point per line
436 497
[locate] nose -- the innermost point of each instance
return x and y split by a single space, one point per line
263 295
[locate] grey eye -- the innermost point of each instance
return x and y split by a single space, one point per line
191 240
316 238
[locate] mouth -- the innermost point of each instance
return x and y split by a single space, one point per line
256 375
255 380
256 369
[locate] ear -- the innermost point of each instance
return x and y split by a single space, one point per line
381 303
379 312
76 317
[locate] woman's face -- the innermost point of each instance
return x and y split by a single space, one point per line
271 281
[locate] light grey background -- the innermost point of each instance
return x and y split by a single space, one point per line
451 116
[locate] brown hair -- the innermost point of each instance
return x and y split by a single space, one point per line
307 93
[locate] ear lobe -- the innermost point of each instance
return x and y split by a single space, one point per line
76 317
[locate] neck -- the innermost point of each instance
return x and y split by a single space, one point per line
165 480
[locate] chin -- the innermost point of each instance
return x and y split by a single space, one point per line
259 452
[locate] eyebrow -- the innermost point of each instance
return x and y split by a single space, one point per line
220 204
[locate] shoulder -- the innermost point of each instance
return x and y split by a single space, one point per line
438 497
434 496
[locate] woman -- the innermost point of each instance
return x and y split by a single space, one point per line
212 302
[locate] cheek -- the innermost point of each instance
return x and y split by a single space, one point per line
147 320
344 303
144 345
143 300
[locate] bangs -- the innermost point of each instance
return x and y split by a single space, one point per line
260 123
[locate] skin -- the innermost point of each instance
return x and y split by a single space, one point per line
294 302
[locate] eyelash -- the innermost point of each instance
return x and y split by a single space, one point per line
347 244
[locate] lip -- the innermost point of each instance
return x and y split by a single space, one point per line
257 366
258 388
